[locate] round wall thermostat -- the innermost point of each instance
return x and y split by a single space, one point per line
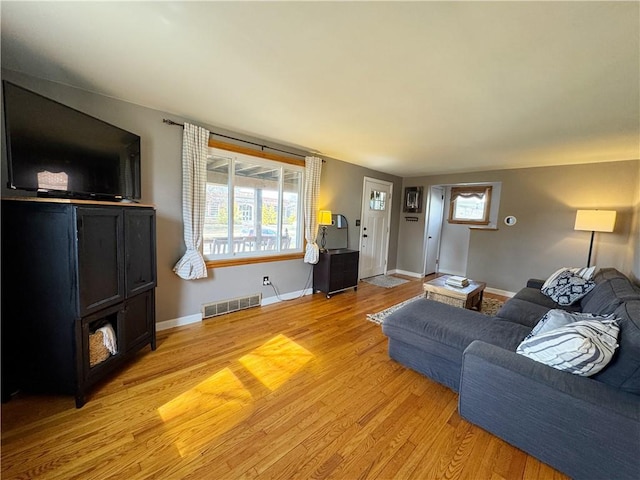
510 220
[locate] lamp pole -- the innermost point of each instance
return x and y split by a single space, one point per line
590 248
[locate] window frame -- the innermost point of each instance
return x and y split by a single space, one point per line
461 191
274 257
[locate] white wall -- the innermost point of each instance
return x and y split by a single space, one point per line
454 243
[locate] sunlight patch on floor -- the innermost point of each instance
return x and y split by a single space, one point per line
196 417
221 389
275 362
205 412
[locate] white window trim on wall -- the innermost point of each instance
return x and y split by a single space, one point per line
460 191
272 161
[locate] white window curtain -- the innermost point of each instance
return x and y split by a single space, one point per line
469 192
195 144
312 170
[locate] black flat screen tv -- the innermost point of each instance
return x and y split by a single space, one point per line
58 151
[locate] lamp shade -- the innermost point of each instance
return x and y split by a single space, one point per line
595 220
324 217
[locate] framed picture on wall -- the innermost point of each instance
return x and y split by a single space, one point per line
412 200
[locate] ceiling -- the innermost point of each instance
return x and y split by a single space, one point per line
410 89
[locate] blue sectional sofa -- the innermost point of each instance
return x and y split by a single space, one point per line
586 427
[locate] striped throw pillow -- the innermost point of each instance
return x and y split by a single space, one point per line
557 318
582 348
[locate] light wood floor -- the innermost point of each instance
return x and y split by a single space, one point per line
301 389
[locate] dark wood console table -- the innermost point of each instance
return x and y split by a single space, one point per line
337 270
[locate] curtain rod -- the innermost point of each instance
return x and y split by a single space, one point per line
171 122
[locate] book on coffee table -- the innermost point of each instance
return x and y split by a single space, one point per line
455 281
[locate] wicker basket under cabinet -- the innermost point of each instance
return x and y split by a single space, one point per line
98 353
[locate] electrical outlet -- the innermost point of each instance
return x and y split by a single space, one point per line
266 281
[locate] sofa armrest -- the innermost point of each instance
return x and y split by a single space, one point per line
579 426
535 283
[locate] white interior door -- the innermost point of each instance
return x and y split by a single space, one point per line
374 229
434 229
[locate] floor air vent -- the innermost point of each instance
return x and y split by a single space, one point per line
227 306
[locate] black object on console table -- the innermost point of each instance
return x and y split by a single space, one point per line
71 268
336 270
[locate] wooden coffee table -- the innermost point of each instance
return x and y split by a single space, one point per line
469 297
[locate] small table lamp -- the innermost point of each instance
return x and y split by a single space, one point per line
595 221
324 220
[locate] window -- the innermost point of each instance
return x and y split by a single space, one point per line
246 212
470 205
378 200
254 206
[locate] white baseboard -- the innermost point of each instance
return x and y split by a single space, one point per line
197 317
497 291
285 296
408 274
179 322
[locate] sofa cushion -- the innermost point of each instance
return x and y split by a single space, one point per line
522 312
430 358
601 299
607 274
452 328
534 295
430 337
583 348
624 370
567 288
608 295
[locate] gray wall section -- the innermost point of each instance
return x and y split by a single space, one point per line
454 238
547 223
341 192
410 258
545 200
162 186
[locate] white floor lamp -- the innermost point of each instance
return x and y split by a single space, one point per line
595 221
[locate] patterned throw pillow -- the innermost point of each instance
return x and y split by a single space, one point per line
582 348
557 318
585 272
567 288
